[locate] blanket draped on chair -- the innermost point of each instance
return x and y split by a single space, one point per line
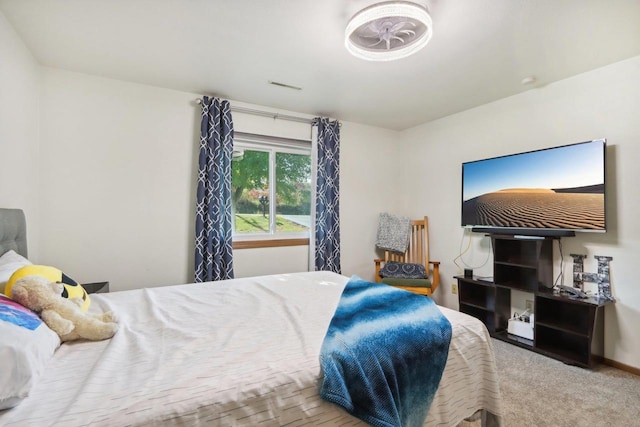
384 354
393 232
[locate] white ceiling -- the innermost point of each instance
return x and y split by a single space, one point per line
480 50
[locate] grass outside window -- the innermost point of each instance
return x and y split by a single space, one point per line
257 223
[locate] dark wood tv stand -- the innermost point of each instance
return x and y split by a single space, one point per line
565 328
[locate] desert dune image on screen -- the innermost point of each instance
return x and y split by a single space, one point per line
558 188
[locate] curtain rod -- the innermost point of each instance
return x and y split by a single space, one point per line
267 114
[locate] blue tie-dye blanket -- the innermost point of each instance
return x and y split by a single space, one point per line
384 354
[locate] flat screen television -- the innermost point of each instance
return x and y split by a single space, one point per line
551 192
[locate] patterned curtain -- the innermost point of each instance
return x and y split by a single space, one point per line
213 246
327 239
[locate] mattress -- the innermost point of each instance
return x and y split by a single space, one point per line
235 352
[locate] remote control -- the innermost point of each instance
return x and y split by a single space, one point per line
573 291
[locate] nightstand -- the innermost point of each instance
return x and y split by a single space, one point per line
96 287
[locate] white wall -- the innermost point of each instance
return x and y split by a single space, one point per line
118 169
117 166
19 129
370 180
600 104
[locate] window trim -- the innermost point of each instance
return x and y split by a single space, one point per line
273 145
269 243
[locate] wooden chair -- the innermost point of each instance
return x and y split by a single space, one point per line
418 253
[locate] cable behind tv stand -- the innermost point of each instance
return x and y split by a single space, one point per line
566 328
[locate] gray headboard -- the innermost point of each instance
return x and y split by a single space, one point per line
13 231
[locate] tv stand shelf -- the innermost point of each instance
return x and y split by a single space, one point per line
514 339
565 328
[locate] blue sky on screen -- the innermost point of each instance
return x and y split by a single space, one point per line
574 165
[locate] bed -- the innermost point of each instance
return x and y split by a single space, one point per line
235 352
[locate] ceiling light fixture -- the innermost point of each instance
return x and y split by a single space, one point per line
388 31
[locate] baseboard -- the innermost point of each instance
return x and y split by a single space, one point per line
621 366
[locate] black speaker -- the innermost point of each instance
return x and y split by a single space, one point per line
468 272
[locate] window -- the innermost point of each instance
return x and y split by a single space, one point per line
270 188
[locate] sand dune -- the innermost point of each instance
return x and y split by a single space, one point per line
540 209
526 190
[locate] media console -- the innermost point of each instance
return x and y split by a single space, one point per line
566 327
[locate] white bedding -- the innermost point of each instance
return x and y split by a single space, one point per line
237 352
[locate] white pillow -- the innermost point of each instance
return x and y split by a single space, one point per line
26 346
9 262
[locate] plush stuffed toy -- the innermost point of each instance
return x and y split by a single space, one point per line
62 315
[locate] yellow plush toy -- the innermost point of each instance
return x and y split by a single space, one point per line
71 288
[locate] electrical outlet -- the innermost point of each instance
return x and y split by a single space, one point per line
454 288
529 305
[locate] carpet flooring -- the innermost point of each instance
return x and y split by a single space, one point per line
543 392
